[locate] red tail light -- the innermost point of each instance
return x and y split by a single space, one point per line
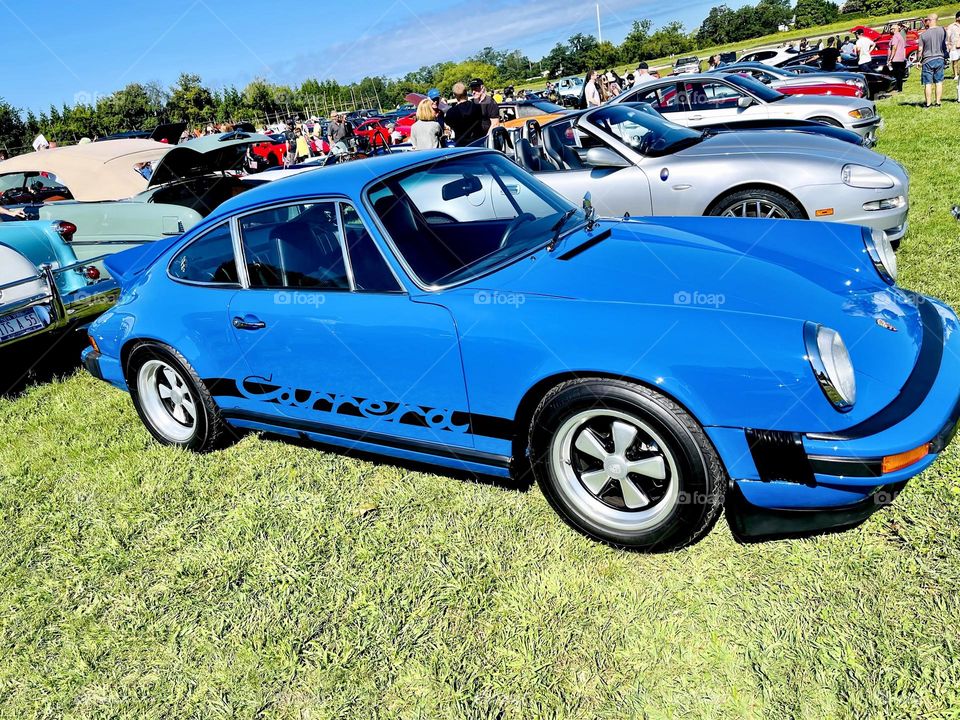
65 229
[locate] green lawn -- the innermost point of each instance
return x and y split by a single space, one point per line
270 580
842 28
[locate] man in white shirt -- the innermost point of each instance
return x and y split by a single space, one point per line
953 47
865 48
642 75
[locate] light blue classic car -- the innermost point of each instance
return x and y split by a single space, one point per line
123 193
448 307
44 287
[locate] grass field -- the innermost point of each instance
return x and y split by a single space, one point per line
946 13
270 580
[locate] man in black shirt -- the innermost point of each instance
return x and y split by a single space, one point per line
829 56
464 118
489 110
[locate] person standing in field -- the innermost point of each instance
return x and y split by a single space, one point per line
897 56
953 47
864 46
933 54
425 133
829 56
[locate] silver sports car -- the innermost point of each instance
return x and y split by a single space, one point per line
707 99
632 161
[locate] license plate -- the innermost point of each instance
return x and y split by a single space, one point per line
18 324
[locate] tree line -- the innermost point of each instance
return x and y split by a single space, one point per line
144 105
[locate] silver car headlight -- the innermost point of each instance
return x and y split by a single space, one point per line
881 254
831 365
861 176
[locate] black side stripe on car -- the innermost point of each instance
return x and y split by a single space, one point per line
586 245
454 421
407 444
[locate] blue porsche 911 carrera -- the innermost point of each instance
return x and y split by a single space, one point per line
447 307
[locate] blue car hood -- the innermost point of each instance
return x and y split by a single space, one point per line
733 270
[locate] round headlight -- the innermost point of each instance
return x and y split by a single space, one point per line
831 365
882 254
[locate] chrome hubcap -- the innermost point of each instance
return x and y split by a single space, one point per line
756 209
167 401
615 469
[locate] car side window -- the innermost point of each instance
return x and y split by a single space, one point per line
295 247
664 99
209 259
370 270
711 96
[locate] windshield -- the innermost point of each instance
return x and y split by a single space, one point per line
647 133
460 217
755 88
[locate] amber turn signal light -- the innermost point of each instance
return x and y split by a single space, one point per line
892 463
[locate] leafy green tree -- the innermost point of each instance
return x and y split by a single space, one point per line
559 61
812 13
718 28
190 101
13 131
634 45
603 56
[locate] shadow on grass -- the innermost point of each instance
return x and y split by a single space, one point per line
515 484
39 360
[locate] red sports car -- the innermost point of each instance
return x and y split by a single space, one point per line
374 131
882 37
839 89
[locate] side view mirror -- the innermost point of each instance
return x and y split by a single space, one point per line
744 102
602 157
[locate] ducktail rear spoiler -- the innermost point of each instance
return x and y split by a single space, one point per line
126 266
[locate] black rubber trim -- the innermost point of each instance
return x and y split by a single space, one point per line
91 361
914 391
846 467
750 523
586 245
426 448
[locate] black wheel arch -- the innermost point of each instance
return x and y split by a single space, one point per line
755 186
538 391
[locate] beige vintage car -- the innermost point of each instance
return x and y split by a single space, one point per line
126 192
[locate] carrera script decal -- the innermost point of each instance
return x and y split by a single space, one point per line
263 390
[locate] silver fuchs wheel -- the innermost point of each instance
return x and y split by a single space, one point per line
625 464
615 469
167 401
172 401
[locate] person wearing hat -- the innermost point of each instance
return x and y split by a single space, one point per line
489 110
434 96
642 75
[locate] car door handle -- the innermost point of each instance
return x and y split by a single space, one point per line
696 117
514 189
248 322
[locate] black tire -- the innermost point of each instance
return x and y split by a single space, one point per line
694 488
789 207
209 431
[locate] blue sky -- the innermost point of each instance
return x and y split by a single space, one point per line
71 49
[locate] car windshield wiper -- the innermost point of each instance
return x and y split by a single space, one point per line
558 226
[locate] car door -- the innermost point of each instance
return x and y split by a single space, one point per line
614 191
710 102
332 343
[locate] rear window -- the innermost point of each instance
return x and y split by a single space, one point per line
208 260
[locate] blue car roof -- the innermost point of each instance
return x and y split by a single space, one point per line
345 179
